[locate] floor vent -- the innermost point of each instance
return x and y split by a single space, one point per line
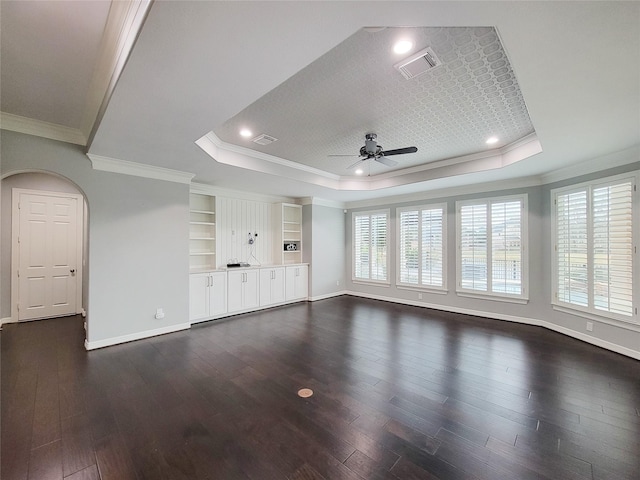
418 63
264 139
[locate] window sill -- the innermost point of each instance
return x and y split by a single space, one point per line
628 325
370 283
421 289
492 296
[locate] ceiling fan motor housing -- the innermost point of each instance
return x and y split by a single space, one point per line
370 145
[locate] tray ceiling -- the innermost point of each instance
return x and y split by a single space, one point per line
448 111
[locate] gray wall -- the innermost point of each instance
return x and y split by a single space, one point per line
538 310
138 259
324 249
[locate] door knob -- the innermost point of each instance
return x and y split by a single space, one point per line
73 270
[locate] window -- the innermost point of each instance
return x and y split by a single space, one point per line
593 241
491 241
421 240
370 233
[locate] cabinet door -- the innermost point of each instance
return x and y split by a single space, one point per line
198 296
302 282
277 286
218 294
297 282
266 275
251 289
235 285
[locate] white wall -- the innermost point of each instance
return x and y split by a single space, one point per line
235 218
138 258
538 310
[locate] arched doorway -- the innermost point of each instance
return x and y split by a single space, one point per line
41 185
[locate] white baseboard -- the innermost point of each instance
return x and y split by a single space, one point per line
7 320
135 336
510 318
327 295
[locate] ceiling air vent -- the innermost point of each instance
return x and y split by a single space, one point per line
264 139
418 63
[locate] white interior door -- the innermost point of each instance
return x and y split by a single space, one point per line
47 245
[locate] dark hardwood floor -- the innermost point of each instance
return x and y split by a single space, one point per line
400 393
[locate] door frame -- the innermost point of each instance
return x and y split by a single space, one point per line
15 248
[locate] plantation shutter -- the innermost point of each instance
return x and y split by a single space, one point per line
473 247
379 246
572 248
361 246
613 248
432 247
409 247
506 247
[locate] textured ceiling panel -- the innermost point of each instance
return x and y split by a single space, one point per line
329 106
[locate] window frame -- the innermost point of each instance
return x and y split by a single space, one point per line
523 296
369 213
421 286
631 321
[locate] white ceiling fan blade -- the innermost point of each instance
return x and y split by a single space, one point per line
342 155
355 164
386 161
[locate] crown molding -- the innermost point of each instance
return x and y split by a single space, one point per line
243 157
606 162
123 26
322 202
124 167
443 193
38 128
238 194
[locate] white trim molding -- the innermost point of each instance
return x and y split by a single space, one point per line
107 342
38 128
328 295
124 167
121 31
243 157
7 320
509 318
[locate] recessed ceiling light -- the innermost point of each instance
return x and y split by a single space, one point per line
359 171
492 140
402 46
245 132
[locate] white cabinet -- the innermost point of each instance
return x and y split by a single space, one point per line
297 282
202 232
271 286
207 295
243 290
288 228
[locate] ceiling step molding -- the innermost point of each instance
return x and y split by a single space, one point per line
238 194
113 165
124 23
29 126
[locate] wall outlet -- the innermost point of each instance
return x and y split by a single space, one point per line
419 296
589 326
159 313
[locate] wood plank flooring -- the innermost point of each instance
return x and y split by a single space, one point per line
400 392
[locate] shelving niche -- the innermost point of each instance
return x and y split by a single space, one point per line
288 221
202 232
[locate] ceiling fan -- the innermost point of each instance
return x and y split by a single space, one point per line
371 150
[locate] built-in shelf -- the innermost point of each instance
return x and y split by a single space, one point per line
288 241
202 232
